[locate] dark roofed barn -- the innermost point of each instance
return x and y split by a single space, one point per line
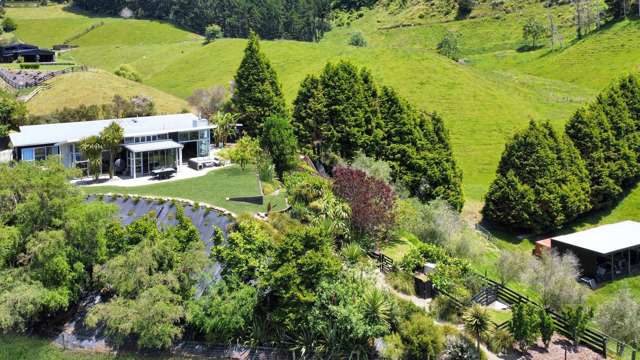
30 53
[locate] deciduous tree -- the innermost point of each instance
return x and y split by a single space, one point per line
372 201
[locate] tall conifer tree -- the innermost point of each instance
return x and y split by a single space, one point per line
257 93
541 182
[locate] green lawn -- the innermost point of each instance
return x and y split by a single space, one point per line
31 348
499 316
212 188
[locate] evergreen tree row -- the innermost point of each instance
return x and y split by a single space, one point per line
545 179
272 19
343 112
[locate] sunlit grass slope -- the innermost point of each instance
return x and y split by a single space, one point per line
96 87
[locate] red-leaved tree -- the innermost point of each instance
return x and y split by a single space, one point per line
372 200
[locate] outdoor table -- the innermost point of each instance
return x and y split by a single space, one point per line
163 173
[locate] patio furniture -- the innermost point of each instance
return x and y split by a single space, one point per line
200 163
163 173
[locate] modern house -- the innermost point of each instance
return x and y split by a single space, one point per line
150 142
605 252
30 53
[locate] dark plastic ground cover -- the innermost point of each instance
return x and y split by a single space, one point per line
204 219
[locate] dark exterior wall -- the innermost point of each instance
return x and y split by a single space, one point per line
588 259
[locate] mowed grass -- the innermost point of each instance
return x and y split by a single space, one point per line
213 188
13 347
96 87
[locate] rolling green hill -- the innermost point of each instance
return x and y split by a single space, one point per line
97 87
483 101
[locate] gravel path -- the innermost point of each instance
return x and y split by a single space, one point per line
424 304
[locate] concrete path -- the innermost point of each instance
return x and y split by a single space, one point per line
184 172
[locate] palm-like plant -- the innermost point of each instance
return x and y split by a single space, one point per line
376 307
331 211
476 321
111 137
225 126
91 147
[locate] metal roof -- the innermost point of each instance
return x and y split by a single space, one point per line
153 146
605 239
75 131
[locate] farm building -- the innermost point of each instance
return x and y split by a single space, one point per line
605 252
30 53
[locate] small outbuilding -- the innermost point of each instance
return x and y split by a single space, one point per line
605 252
30 53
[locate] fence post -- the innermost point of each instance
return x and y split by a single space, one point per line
604 347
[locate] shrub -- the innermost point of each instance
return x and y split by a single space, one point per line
412 261
402 282
524 325
449 46
266 169
443 308
394 348
372 200
29 66
9 25
500 341
213 32
357 39
618 317
352 253
461 348
127 72
465 7
422 337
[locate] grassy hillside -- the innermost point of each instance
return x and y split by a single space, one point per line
483 102
97 87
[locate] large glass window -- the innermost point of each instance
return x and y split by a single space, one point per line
203 147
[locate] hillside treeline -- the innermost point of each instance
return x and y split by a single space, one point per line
343 111
546 179
271 19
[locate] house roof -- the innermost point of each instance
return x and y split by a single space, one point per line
75 131
605 239
153 146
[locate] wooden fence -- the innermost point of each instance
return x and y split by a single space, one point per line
592 338
8 77
385 263
492 290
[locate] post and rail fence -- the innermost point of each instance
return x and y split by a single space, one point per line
493 290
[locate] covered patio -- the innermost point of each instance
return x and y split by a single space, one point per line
144 158
606 252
